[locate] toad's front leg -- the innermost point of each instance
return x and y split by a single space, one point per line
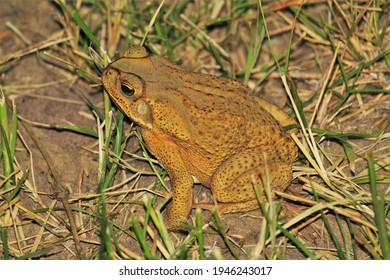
181 180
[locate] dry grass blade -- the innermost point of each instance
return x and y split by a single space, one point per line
56 39
325 63
59 191
150 25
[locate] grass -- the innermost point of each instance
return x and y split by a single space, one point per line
332 69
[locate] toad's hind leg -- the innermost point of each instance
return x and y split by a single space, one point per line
233 183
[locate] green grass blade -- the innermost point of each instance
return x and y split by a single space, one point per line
353 239
344 236
350 153
106 250
378 203
199 234
36 255
14 129
355 72
4 139
141 240
333 237
310 21
297 100
223 234
19 185
162 230
255 44
80 22
149 206
297 12
4 243
295 240
78 129
269 37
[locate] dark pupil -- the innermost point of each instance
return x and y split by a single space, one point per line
127 90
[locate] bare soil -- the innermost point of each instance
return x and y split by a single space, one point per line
37 87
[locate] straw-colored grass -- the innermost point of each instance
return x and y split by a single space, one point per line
325 62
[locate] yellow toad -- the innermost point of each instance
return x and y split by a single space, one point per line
203 126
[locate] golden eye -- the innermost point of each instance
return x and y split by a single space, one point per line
127 90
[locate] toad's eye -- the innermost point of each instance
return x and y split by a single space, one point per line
127 90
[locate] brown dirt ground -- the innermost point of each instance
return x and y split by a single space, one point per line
73 154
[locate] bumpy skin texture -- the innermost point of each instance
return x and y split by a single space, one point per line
202 126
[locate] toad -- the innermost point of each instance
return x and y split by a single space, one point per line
202 126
